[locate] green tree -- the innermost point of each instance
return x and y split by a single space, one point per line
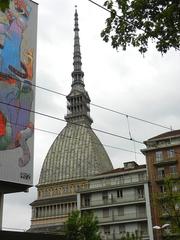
169 204
4 4
82 227
135 22
132 236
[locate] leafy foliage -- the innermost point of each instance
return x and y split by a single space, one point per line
169 203
81 227
4 4
132 236
134 22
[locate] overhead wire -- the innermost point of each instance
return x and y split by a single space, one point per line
55 133
105 145
105 108
100 6
77 124
95 129
93 104
133 117
107 10
130 135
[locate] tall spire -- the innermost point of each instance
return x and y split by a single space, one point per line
77 73
78 101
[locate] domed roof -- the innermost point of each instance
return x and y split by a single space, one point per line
76 153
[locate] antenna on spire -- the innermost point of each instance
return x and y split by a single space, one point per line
77 73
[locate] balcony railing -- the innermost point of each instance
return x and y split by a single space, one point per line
119 182
169 175
118 236
121 218
112 201
165 161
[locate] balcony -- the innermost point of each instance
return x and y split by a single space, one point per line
161 178
112 201
128 217
117 182
166 161
118 236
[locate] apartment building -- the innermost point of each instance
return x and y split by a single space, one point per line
120 200
163 162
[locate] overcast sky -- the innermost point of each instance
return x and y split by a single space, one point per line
144 87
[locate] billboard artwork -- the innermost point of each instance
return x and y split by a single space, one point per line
18 31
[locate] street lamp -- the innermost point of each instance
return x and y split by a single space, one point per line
161 228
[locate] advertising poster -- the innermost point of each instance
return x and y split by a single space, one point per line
18 34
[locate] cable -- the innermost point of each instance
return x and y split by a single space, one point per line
136 118
105 145
60 119
130 135
128 127
105 108
100 6
107 10
122 149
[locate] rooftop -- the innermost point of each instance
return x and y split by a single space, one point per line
175 133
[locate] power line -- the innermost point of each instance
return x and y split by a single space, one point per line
107 10
122 149
124 114
55 133
105 108
105 145
100 6
133 117
77 124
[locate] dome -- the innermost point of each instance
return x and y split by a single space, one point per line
75 154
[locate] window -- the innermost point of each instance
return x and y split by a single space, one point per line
142 228
105 212
121 228
177 206
120 211
105 196
170 153
175 188
162 188
159 156
140 192
173 170
120 193
107 230
160 172
141 176
87 201
120 180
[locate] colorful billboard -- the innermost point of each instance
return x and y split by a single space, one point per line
18 33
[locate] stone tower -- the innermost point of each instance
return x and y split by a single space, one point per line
76 154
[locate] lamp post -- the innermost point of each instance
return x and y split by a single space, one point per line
161 228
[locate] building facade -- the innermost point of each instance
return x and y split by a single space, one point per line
163 164
120 200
